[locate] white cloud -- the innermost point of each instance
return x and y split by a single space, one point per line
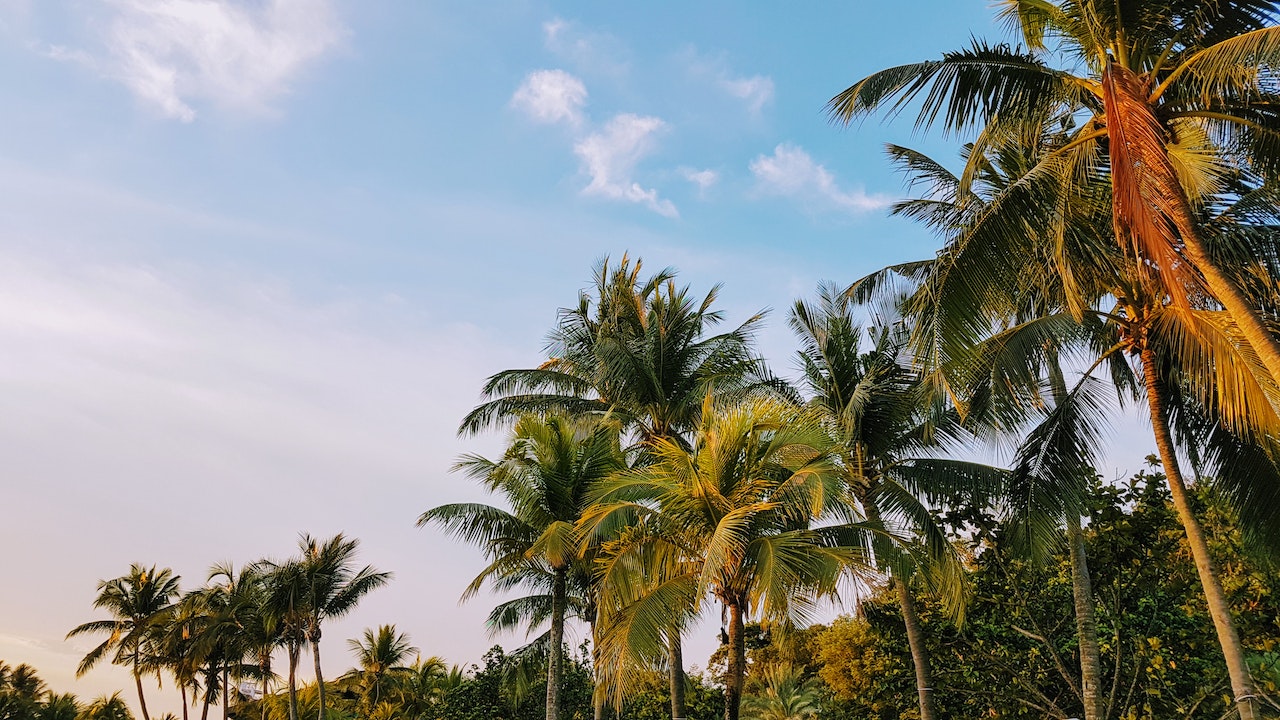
791 172
551 96
610 156
589 51
238 54
756 91
703 179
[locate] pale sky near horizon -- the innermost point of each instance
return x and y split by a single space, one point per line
257 257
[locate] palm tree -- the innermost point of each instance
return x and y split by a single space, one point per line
59 707
1112 308
106 707
787 695
284 612
736 517
550 467
881 418
641 352
228 606
1177 101
320 585
139 603
378 654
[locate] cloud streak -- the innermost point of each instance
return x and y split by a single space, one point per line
790 172
175 54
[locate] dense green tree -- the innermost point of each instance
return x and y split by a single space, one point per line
139 604
379 654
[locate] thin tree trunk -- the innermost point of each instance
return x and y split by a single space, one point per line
182 688
264 664
559 599
597 697
676 676
142 700
294 651
919 654
204 709
737 665
1086 622
314 639
1219 610
226 693
915 635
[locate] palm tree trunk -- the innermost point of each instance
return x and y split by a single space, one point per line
264 663
919 654
314 639
226 692
559 599
737 664
597 697
676 676
1219 610
182 688
294 650
1086 622
204 709
915 634
142 700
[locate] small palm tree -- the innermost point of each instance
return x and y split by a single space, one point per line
106 707
320 585
140 604
59 707
787 695
379 653
546 475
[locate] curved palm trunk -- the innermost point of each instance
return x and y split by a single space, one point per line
1219 610
737 664
142 700
676 676
1086 622
314 639
559 599
919 654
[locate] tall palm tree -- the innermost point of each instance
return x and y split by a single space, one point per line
883 422
643 352
1176 98
284 612
551 466
739 515
378 654
323 584
139 604
229 606
1114 307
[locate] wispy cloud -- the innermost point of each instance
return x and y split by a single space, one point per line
587 50
755 91
703 179
791 172
609 158
551 96
173 54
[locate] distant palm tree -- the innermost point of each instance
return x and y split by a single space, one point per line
378 654
59 707
106 707
550 467
322 584
140 604
787 695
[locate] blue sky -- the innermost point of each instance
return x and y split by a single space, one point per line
257 256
